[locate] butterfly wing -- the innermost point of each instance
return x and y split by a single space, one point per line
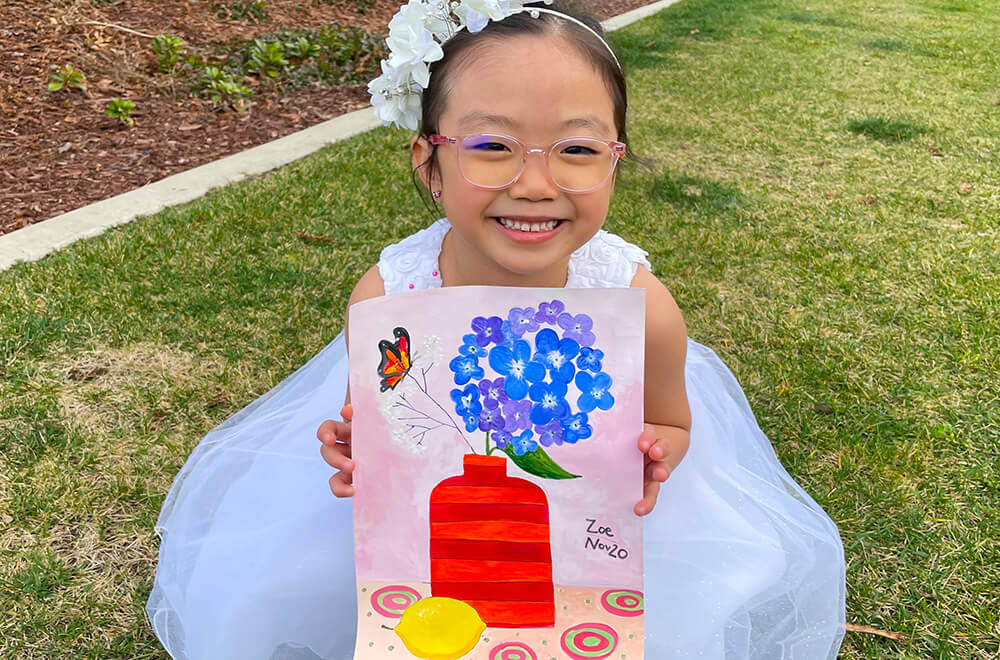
395 362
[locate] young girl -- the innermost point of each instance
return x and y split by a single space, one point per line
522 124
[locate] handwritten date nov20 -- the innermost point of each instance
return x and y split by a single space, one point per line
599 539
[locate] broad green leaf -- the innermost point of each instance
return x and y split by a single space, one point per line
539 464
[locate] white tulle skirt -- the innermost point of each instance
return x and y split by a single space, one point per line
256 555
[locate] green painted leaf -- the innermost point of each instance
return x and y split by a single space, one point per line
539 464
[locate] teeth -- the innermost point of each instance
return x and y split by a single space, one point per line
548 225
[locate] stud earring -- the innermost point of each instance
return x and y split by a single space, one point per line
436 194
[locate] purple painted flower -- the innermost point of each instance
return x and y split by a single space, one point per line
517 367
575 427
578 328
556 354
493 392
590 359
488 330
594 391
550 402
471 348
550 434
522 320
500 438
490 419
517 415
467 401
523 443
466 367
549 312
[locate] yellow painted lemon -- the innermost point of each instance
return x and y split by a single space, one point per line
439 628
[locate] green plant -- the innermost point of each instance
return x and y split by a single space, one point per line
222 89
253 11
167 49
121 109
301 49
267 58
67 77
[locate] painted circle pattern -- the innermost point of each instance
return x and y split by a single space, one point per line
512 651
623 602
589 640
393 600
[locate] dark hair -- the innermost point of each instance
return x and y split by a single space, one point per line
455 51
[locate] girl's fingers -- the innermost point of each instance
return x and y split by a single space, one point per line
657 471
646 439
649 494
331 432
340 485
347 412
338 457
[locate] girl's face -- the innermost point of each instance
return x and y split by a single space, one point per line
538 90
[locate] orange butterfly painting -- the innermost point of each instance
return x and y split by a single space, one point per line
395 363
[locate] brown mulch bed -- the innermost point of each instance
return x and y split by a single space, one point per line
59 151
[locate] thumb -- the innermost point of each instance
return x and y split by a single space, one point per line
347 412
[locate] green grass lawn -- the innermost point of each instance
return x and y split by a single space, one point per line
824 204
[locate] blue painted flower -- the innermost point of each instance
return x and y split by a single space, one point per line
550 402
550 434
467 402
517 367
490 419
556 354
577 327
500 438
493 392
488 330
575 427
549 312
470 347
466 367
594 391
523 443
517 416
590 359
508 335
471 422
522 320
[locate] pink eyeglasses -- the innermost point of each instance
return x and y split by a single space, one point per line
494 162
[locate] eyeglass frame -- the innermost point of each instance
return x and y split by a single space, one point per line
617 153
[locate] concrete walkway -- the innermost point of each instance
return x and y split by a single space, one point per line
38 240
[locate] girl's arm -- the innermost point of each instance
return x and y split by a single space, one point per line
336 436
666 436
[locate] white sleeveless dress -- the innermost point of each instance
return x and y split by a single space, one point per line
256 555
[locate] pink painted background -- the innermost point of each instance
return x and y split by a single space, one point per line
393 484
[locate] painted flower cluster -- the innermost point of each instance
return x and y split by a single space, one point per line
531 379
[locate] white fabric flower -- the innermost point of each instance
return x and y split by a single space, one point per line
394 98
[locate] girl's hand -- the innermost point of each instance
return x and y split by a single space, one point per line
663 447
336 451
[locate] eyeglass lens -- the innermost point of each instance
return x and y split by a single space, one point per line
494 161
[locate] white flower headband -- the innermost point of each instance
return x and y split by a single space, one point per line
416 34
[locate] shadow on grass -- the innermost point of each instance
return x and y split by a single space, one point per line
895 45
700 195
813 19
885 130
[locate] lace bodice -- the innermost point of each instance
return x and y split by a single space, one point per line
605 261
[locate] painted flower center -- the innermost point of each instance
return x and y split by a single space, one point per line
517 368
556 358
549 401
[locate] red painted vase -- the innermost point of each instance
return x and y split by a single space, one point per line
490 545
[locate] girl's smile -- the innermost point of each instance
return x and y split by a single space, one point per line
529 229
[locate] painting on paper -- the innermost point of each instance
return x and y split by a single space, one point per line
495 435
